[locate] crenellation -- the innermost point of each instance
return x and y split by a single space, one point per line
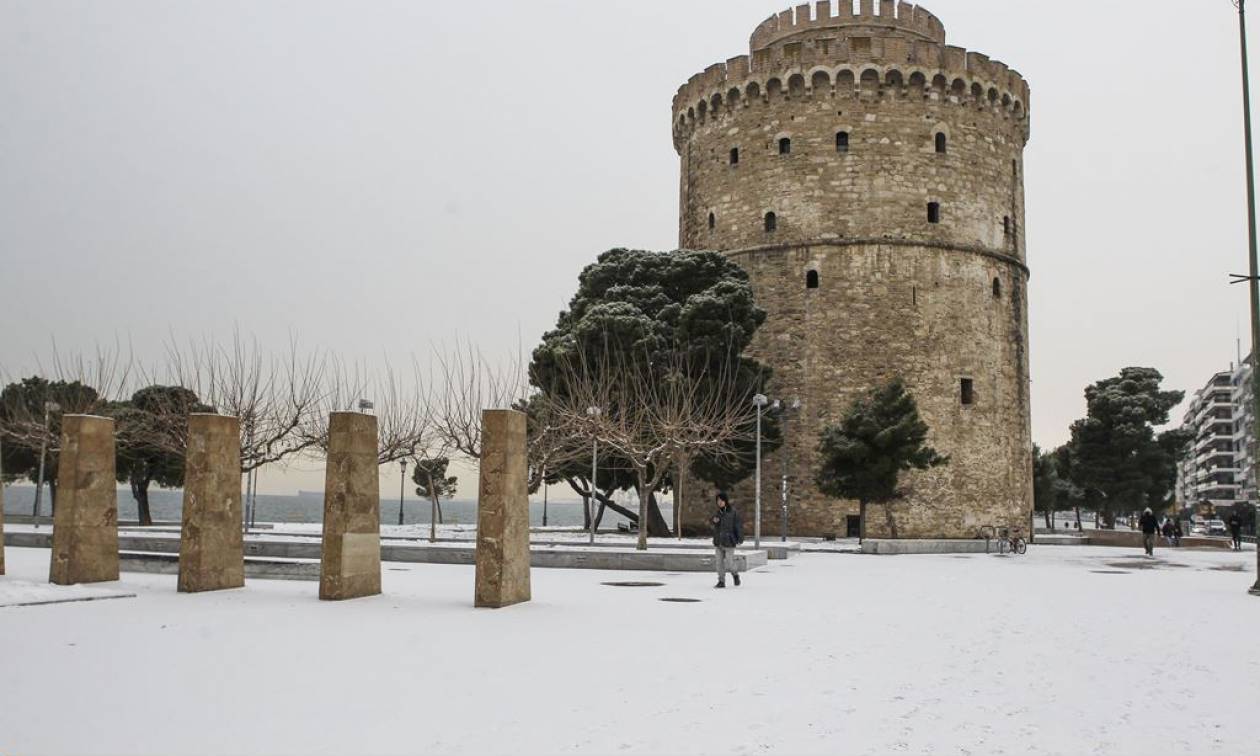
792 43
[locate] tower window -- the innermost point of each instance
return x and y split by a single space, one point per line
772 222
934 212
811 279
712 221
968 392
734 156
842 141
941 142
997 288
1006 225
785 146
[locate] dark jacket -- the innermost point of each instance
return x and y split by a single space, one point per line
1149 524
727 530
1235 524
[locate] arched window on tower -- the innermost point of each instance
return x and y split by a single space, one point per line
772 223
842 141
934 212
942 143
811 280
712 221
785 146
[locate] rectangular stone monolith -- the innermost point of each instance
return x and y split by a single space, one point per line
211 546
85 526
1 523
502 512
350 566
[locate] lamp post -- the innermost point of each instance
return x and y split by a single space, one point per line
43 450
761 401
1253 278
402 487
593 412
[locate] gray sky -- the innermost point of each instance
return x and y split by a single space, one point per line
376 176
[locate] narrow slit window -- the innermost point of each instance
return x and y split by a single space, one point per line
934 212
997 288
1006 225
942 143
842 141
968 390
772 222
811 279
785 146
712 221
734 156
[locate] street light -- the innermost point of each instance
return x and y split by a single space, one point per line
761 401
402 487
43 449
593 412
1253 278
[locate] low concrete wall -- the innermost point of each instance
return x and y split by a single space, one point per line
891 547
557 557
255 569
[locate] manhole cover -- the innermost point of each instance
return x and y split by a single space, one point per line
680 600
634 584
1110 572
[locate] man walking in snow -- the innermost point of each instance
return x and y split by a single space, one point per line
1235 530
1149 526
727 534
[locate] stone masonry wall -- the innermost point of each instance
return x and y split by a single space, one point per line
895 295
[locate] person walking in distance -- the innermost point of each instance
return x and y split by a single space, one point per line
727 534
1235 530
1150 526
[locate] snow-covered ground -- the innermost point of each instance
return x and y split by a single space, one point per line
1068 650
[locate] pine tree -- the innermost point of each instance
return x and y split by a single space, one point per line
879 437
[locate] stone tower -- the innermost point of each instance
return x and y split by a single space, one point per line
869 178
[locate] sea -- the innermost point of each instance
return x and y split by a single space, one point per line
308 506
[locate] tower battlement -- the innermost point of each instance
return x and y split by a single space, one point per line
888 15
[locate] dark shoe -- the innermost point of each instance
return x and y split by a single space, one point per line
736 580
720 584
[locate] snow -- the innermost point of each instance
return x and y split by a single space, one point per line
1067 650
28 593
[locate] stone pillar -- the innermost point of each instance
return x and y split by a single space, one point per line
502 512
85 526
1 519
211 547
351 557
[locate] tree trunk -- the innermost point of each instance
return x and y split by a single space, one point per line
140 492
892 524
441 517
657 526
52 495
1049 520
433 509
587 506
680 475
644 497
861 521
1078 517
599 516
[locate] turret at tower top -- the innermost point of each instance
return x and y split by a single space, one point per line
828 16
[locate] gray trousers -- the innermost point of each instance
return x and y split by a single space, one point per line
725 561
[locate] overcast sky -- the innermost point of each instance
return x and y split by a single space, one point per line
376 176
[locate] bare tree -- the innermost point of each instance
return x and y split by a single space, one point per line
274 397
654 416
470 384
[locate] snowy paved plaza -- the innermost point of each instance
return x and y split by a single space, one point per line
1068 650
